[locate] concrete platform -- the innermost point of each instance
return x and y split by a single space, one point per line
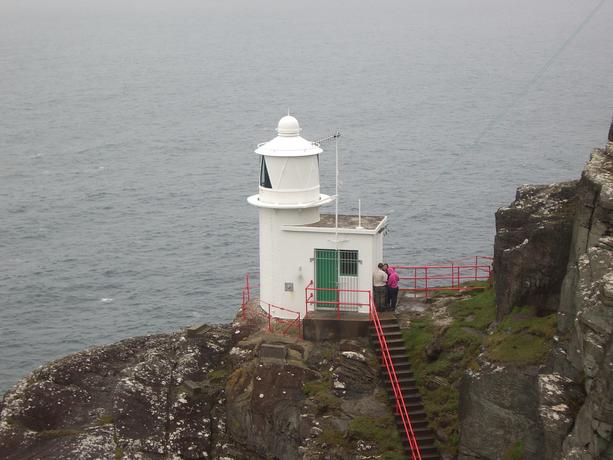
324 325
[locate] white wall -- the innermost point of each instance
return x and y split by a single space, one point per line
288 256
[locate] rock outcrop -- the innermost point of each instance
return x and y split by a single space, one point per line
220 392
586 311
132 399
553 251
533 238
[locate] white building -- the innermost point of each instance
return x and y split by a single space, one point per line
298 244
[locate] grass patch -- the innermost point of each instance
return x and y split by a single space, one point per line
238 380
59 433
381 431
515 452
477 312
461 341
105 420
320 391
217 374
466 287
333 437
522 338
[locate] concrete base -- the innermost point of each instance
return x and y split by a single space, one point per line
324 325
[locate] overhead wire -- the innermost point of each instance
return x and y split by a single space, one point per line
494 121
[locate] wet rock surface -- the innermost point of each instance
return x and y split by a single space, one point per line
532 244
586 313
554 251
214 394
127 399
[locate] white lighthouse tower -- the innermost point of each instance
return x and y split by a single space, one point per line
288 195
331 256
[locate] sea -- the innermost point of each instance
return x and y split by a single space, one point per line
127 131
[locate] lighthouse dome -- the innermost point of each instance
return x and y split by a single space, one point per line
288 126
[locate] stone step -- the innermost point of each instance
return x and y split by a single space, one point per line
409 399
389 334
391 342
387 328
408 387
391 346
412 407
404 379
424 448
416 414
401 366
398 352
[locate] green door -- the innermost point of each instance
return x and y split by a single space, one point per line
326 276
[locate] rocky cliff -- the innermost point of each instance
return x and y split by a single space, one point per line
224 392
554 252
536 383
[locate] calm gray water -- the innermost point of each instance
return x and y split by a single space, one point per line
127 132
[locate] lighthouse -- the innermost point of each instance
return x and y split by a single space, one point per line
288 195
301 247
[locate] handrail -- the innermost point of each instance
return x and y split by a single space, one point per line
291 323
448 276
391 372
310 298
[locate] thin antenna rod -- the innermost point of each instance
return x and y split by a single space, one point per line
327 139
338 258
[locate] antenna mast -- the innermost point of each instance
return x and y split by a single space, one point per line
335 137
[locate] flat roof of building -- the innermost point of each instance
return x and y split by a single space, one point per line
348 221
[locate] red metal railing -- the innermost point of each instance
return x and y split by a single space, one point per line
359 298
248 290
263 310
449 276
401 407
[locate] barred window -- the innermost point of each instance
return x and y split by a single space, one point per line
349 263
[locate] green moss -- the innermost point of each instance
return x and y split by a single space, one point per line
515 452
60 432
381 431
461 341
320 391
333 437
218 374
105 420
238 380
393 456
118 453
521 338
477 312
466 288
517 350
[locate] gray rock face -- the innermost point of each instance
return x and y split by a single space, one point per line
269 412
586 312
533 237
554 250
128 399
212 393
498 407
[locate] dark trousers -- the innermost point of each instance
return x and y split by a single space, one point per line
392 298
379 292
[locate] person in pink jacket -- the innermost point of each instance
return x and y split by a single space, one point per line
392 288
